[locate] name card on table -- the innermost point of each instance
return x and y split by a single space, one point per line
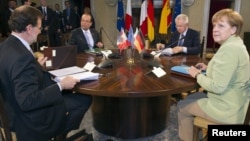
159 72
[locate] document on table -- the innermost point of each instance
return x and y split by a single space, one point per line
167 51
76 72
67 71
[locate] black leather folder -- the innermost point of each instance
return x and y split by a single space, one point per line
60 57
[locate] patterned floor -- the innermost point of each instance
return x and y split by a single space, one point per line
169 134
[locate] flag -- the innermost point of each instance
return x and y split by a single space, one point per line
143 18
177 11
138 41
122 41
166 17
128 16
131 36
120 15
150 21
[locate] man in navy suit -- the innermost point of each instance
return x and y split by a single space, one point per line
84 37
37 107
190 42
50 23
69 17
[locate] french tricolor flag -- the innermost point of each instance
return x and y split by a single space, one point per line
143 18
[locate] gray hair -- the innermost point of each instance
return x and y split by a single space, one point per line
182 17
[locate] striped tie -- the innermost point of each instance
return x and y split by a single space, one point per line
180 43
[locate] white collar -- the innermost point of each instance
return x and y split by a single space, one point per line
25 43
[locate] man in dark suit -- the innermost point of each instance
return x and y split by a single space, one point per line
50 23
190 42
69 17
38 108
60 30
84 37
5 17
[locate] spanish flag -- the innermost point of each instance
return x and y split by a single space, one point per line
166 17
150 20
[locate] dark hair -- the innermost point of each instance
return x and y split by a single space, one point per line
88 14
23 1
66 1
22 16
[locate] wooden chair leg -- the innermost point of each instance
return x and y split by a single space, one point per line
196 133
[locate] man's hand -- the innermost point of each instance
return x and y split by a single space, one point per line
41 60
68 82
177 49
159 46
99 44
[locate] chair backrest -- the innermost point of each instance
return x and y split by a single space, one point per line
4 123
247 117
65 38
202 46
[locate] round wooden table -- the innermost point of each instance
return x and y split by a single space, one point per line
129 102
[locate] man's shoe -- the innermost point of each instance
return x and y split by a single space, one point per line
177 97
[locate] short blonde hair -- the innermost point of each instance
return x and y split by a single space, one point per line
233 17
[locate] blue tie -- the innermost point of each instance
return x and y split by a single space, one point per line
68 12
180 43
89 40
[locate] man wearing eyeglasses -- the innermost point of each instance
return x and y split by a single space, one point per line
185 40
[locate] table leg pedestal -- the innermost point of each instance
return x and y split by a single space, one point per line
130 118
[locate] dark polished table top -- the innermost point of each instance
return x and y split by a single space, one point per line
133 80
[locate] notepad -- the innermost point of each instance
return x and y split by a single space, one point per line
182 70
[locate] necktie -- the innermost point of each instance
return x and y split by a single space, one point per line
44 11
68 13
180 43
45 14
89 40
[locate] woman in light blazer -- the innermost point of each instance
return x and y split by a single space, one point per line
226 79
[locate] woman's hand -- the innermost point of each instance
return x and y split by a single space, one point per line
201 66
193 71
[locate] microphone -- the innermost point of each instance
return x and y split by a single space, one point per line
105 63
156 63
